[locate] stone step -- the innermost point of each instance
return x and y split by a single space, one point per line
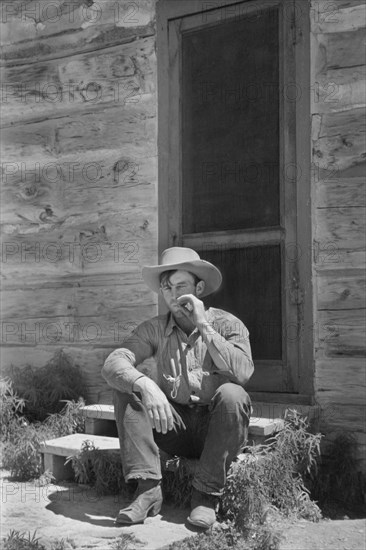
55 452
98 420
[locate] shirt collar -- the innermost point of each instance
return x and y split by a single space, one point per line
171 322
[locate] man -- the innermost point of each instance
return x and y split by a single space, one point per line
198 408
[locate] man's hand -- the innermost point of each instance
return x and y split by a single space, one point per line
195 311
156 403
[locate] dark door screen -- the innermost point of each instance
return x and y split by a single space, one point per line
230 125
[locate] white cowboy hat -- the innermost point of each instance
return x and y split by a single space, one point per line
184 259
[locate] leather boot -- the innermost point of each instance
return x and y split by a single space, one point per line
147 501
203 512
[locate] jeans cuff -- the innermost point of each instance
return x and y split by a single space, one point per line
207 488
141 475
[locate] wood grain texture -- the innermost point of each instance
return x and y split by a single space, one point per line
118 76
341 289
333 190
341 380
37 31
97 129
81 244
340 234
343 143
337 17
74 185
341 333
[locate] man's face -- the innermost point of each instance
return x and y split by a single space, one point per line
181 282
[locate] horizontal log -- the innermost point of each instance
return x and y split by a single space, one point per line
342 150
81 301
105 330
345 48
103 181
343 76
346 418
98 129
328 96
340 381
343 123
85 244
38 31
337 289
331 17
333 190
116 76
341 333
340 233
73 281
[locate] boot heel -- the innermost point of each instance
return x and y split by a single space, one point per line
155 509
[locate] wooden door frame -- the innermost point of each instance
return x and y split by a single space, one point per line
167 11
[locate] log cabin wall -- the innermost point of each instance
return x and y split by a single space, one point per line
338 162
79 179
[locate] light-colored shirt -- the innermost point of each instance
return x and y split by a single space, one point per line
190 368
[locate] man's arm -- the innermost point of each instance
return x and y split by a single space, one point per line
230 352
120 372
119 369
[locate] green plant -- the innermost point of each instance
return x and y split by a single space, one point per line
20 541
101 470
177 483
21 450
11 409
44 389
227 536
269 477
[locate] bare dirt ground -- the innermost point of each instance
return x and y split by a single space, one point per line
75 512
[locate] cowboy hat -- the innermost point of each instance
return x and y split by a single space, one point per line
184 259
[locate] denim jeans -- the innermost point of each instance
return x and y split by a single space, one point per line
214 434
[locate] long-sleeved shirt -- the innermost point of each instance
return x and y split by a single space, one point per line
190 368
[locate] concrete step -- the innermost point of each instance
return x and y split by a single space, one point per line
56 451
99 418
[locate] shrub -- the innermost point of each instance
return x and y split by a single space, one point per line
44 389
20 541
269 477
101 470
11 409
21 447
263 538
177 481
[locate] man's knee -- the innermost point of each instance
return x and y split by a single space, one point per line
230 394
